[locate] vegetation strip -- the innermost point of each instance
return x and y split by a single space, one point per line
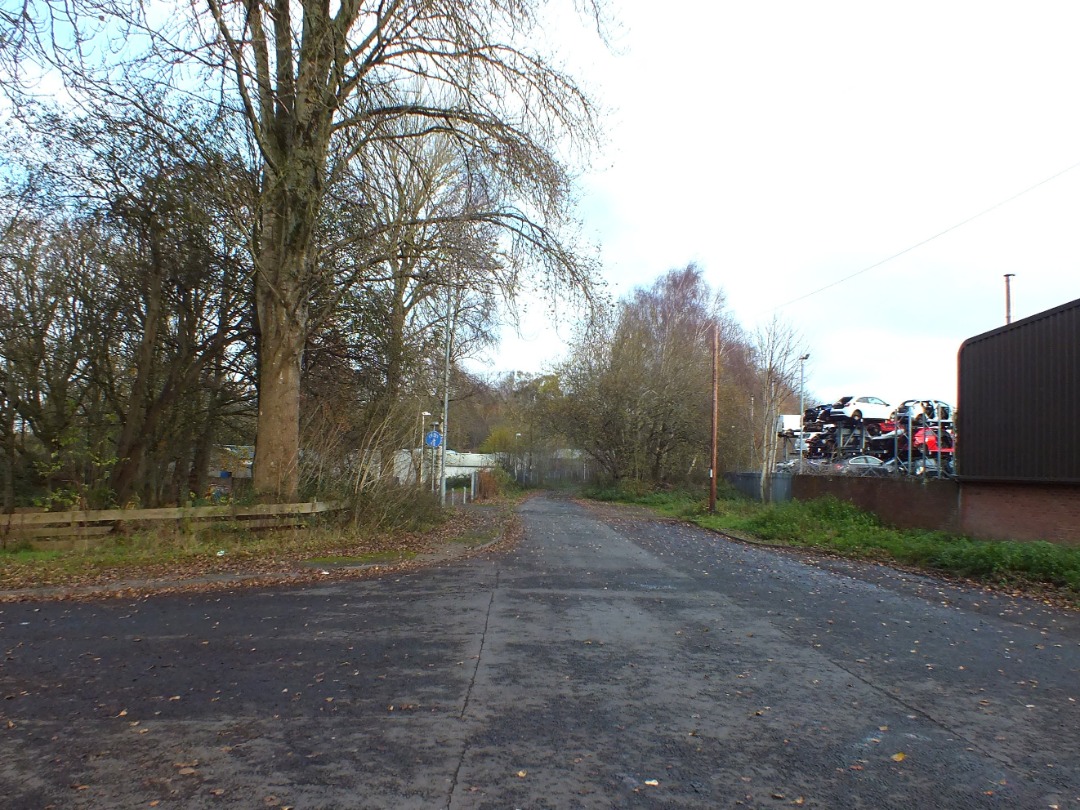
827 524
154 563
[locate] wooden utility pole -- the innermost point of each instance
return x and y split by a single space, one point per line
715 415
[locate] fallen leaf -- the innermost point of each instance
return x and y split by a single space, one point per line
900 756
652 782
187 771
217 791
522 774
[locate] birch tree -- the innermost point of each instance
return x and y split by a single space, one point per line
777 348
638 392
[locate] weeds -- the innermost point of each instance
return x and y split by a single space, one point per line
674 503
839 527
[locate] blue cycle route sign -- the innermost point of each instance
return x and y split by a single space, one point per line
433 439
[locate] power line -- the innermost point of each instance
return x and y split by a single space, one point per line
929 238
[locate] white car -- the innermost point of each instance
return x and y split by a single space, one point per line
862 465
859 409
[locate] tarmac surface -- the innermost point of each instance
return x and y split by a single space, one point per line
608 660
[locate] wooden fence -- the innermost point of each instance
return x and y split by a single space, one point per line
92 523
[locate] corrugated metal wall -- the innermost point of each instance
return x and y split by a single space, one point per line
1019 400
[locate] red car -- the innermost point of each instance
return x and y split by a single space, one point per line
926 441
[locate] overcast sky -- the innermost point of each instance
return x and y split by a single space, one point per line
792 148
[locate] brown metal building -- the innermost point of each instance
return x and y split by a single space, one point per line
1019 401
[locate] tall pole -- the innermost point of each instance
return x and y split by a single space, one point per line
446 391
1008 298
715 415
802 409
435 458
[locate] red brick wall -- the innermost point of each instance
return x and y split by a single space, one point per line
984 511
904 503
1022 512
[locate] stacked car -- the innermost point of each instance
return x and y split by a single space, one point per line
916 437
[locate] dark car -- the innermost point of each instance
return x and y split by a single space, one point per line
813 417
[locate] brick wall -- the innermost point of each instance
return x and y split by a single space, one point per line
904 503
1022 512
984 511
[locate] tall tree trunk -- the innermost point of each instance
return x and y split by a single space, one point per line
293 187
275 472
131 444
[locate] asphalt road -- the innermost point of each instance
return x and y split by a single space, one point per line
605 662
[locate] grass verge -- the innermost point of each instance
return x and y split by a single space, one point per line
838 527
224 550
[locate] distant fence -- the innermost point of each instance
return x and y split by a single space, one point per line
749 484
95 523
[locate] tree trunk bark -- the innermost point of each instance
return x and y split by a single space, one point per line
275 472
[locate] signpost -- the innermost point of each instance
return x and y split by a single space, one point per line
433 439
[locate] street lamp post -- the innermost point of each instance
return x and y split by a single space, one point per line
802 409
451 317
1008 298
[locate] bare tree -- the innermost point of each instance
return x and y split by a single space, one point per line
36 35
777 350
638 394
317 85
313 88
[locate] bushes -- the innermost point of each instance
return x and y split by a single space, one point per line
826 522
675 502
1012 562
